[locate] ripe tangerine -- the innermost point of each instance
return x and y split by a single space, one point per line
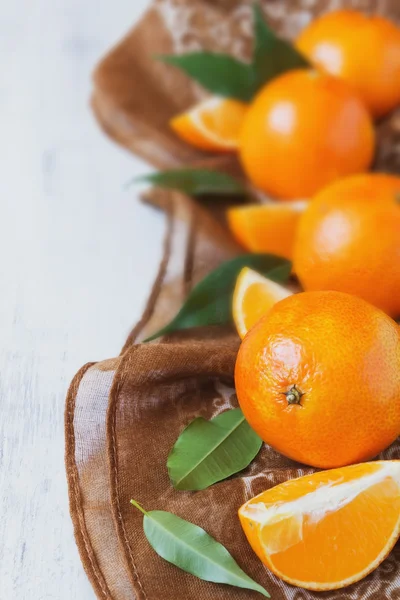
318 379
304 130
363 50
348 239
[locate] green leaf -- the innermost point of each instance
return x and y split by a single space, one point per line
226 76
210 301
272 55
190 548
195 182
210 451
221 74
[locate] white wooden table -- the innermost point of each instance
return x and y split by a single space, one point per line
77 258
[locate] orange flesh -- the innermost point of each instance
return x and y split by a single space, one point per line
266 228
257 302
226 120
327 546
213 125
253 297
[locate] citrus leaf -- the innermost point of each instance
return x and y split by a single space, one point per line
210 301
272 55
195 182
224 75
221 74
190 548
210 451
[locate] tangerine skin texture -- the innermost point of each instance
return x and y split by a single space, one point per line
343 355
363 50
348 239
304 130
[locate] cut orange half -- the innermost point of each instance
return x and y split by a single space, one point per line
254 295
213 125
327 530
267 227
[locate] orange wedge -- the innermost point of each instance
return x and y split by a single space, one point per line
254 295
327 530
213 125
267 227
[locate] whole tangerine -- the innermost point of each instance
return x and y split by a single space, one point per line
363 50
318 379
348 239
302 131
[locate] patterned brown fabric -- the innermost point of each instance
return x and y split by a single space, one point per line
124 414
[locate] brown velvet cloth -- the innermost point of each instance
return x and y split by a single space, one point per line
124 414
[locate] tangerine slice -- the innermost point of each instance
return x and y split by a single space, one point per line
254 295
327 530
267 227
213 125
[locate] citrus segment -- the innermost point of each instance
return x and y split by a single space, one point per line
254 295
327 530
268 227
213 125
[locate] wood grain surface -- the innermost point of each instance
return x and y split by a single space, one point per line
77 258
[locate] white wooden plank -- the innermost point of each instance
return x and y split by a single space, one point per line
77 258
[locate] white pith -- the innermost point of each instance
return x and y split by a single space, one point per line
315 505
329 497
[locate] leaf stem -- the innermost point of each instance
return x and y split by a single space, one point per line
137 505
